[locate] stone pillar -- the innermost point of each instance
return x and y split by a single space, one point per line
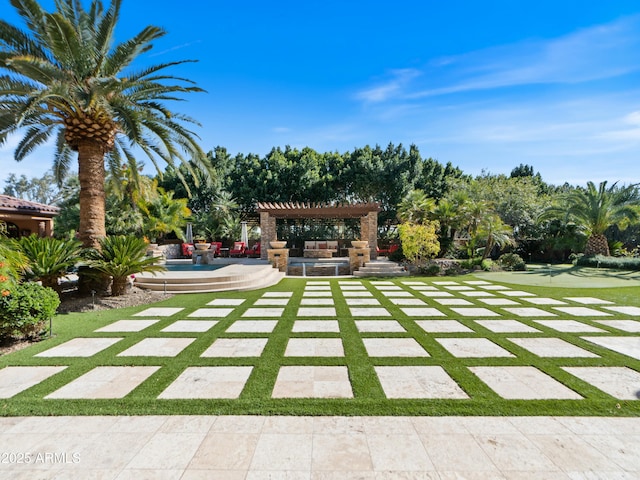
268 233
279 258
357 258
369 232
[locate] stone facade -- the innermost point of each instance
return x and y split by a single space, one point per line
268 233
369 232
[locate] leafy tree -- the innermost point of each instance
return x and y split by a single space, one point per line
41 190
66 79
494 233
598 208
120 257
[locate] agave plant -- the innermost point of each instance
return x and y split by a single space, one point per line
49 258
120 257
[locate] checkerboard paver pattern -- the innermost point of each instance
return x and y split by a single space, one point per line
415 337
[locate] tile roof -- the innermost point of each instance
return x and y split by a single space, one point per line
13 204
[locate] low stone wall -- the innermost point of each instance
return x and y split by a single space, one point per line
328 270
171 250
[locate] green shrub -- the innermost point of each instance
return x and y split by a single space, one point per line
49 258
397 255
512 262
119 257
432 270
26 309
487 265
601 261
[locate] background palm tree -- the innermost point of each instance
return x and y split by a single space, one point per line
598 208
64 77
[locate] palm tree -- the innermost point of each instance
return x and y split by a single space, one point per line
495 233
65 78
598 208
416 207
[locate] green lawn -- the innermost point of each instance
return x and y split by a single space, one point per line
369 397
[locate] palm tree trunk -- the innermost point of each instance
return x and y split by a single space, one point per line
92 197
92 209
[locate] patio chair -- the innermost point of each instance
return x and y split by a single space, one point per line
216 246
254 252
238 249
187 249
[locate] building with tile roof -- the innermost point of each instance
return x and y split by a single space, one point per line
23 217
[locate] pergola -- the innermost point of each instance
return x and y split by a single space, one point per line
367 212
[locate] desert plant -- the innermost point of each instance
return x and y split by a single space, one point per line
49 258
25 310
120 257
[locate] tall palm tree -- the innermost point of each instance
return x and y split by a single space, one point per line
63 77
598 208
416 207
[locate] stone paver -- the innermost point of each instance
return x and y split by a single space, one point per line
236 347
211 312
80 347
379 326
14 380
208 382
362 301
126 326
226 302
568 326
619 382
552 347
416 302
635 311
529 312
498 301
544 301
442 326
452 301
277 294
312 382
523 383
394 347
252 326
190 326
158 312
105 382
625 345
632 326
588 300
157 347
330 326
316 312
418 382
314 347
369 312
422 312
263 312
316 301
473 348
505 326
273 302
475 312
582 311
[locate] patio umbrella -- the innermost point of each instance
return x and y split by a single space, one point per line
189 233
244 236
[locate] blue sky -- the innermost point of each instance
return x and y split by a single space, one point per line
484 85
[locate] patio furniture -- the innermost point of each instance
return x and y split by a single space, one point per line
187 249
238 249
254 252
320 248
216 247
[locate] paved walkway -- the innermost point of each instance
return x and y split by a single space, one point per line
292 448
406 322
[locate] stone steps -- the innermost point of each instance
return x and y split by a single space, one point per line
232 277
381 268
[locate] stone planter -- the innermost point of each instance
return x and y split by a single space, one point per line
278 244
359 243
202 246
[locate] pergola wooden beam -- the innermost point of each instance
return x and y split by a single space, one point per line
317 210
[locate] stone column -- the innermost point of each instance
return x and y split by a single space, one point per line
369 232
268 233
